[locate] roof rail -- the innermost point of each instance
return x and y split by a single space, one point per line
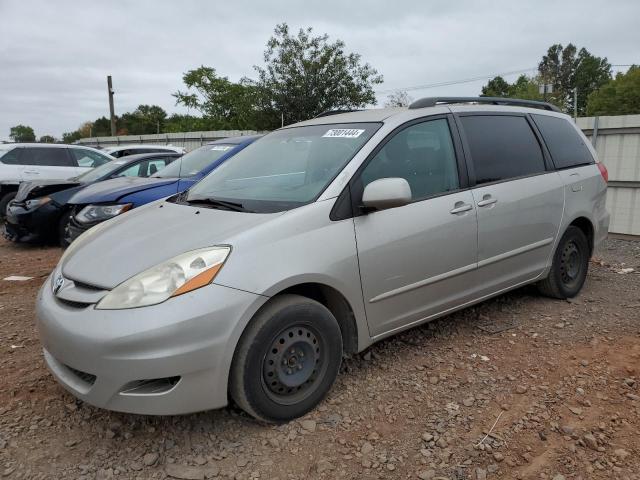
433 101
334 112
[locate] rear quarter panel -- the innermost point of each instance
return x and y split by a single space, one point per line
585 196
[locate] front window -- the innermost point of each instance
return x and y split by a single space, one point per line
285 169
195 161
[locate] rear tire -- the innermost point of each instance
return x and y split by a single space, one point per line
286 360
4 203
570 265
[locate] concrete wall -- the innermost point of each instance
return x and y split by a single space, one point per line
617 141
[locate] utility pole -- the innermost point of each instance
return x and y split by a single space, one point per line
575 104
111 113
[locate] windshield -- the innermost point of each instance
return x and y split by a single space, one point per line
285 169
193 162
99 172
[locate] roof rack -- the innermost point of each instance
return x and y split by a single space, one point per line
334 112
433 101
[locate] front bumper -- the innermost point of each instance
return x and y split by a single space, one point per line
75 228
38 224
98 355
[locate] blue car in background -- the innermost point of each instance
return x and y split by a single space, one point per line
105 200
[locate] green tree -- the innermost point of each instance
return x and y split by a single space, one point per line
189 123
231 104
47 139
621 96
305 75
22 133
566 69
399 98
524 87
143 120
70 137
497 87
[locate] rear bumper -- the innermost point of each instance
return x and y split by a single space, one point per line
39 224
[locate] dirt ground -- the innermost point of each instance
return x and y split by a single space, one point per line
519 387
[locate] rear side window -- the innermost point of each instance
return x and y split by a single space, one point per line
47 157
565 144
10 157
88 158
502 147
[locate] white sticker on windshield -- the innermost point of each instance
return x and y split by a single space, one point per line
221 148
343 133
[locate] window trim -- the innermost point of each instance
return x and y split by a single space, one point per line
344 209
548 164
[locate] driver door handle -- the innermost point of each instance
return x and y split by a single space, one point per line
461 207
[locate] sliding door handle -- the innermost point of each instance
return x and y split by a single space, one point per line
487 200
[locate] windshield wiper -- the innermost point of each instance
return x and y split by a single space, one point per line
215 203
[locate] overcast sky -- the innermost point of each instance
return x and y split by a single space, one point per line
55 55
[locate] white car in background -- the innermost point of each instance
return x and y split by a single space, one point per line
23 162
125 150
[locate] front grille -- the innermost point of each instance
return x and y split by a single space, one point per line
150 386
84 376
72 304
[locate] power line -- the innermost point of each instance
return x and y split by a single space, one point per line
469 80
455 82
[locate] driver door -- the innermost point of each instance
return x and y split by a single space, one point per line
417 260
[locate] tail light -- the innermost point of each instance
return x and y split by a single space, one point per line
603 172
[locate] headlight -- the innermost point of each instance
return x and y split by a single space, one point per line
174 277
36 202
99 213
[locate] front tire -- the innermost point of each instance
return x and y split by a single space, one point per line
4 204
287 359
569 267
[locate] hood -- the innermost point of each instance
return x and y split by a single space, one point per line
41 188
116 188
118 249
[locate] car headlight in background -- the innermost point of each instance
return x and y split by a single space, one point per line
99 213
36 202
181 274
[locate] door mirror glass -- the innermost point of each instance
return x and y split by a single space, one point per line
386 193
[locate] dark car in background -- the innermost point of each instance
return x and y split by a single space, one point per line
105 200
40 210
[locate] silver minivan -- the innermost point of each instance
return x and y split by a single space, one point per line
317 240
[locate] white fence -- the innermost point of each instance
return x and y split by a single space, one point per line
617 141
187 140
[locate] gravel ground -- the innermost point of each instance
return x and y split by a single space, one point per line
519 387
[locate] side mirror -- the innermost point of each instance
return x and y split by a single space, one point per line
386 193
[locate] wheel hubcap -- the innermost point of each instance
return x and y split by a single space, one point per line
571 263
292 364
